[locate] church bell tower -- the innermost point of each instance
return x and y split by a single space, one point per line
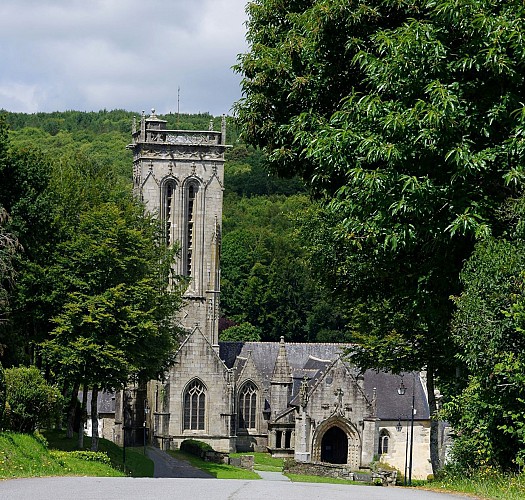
179 174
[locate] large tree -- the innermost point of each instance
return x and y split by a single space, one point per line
117 317
405 119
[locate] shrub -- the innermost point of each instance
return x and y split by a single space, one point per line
197 448
30 401
88 456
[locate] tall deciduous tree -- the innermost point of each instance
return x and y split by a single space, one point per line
406 119
9 247
117 320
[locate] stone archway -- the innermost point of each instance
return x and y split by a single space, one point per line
334 446
337 441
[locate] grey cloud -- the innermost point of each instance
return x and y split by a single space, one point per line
120 53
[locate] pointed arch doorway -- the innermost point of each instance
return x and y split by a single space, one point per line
337 441
334 446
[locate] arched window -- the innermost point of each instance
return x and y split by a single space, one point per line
194 406
168 200
189 226
247 406
383 442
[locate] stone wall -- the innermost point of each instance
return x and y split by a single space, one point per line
196 359
319 469
243 461
399 453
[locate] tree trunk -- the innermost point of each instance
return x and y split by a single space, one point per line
83 417
434 423
94 418
72 406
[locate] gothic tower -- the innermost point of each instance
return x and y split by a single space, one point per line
179 175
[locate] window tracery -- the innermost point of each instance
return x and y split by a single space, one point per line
247 406
194 406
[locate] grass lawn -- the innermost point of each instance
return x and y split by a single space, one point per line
220 471
137 465
263 461
23 455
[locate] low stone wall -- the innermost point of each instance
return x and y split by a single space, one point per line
243 461
383 477
319 469
216 457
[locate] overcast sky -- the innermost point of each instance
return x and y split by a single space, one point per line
87 55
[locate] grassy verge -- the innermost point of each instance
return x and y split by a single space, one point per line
490 487
220 471
137 465
23 455
263 461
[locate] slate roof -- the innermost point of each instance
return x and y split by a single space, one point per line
392 406
313 359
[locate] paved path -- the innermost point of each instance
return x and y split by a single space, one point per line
117 488
168 466
271 476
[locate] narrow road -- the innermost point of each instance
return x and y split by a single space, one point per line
122 488
168 466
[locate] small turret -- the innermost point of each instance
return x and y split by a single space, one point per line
281 370
281 382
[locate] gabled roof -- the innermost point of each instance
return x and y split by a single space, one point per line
392 406
313 360
264 354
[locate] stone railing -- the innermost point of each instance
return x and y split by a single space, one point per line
182 137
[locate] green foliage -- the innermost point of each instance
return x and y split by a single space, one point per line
101 136
30 401
137 465
487 483
116 315
488 414
265 278
2 396
246 174
406 119
88 456
245 332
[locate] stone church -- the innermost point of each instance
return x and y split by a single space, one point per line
298 400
